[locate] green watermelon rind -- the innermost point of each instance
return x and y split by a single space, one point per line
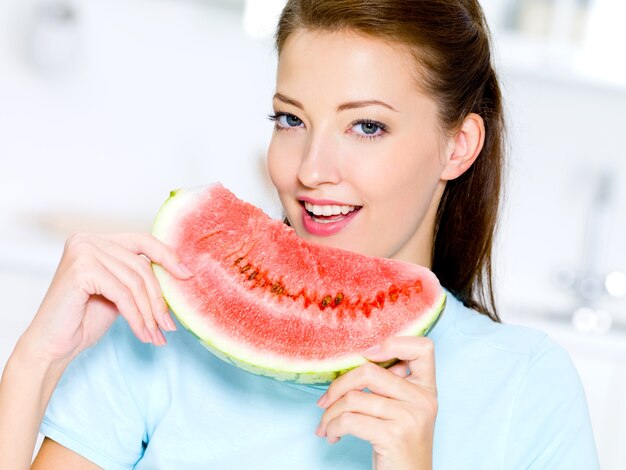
304 372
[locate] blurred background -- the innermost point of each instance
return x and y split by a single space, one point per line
107 105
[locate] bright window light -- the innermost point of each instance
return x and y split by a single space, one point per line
603 52
616 284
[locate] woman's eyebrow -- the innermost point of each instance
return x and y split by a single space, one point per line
362 104
285 99
341 107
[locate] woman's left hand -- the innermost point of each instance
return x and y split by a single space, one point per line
398 416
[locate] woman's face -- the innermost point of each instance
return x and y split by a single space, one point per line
357 154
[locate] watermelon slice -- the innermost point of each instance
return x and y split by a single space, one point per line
273 304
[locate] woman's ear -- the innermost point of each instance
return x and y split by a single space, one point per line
465 147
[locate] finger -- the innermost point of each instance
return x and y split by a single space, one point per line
157 251
135 284
100 281
370 376
141 265
418 352
401 369
159 306
364 427
364 403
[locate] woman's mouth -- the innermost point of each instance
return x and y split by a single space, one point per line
326 219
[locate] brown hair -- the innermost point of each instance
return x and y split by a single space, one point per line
450 42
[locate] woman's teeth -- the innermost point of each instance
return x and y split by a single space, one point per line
328 210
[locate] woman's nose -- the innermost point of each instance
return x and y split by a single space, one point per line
320 163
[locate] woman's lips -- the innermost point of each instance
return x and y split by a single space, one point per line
323 226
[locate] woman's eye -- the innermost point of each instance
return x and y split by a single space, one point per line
291 120
369 129
285 120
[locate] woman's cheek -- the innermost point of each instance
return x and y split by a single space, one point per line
274 166
282 162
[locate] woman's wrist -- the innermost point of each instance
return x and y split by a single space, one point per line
32 352
41 366
28 380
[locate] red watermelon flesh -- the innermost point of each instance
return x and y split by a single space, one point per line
267 301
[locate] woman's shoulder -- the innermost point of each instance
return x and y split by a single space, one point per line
487 333
508 361
513 383
494 347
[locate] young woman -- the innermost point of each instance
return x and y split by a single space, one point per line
393 109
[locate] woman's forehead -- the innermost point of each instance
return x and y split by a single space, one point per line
346 65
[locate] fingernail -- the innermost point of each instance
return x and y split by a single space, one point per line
161 338
185 270
155 337
371 351
169 322
322 401
147 337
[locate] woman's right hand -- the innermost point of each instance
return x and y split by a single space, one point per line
98 278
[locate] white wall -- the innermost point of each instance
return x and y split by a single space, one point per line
160 94
564 135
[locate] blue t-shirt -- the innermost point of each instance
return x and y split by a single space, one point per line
509 398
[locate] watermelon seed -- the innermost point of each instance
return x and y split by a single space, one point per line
277 289
365 306
325 301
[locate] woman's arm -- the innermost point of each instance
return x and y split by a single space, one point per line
53 456
26 386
